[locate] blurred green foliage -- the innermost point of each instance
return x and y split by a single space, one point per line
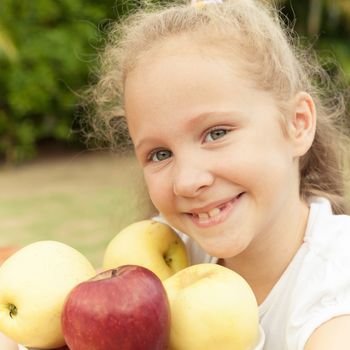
47 48
326 25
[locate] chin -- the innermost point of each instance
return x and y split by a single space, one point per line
224 250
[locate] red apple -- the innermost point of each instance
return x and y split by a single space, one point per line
119 309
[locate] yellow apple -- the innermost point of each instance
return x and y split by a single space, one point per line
150 244
34 284
212 308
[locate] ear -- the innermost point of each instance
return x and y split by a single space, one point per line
302 126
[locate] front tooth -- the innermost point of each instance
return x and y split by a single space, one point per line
214 212
203 216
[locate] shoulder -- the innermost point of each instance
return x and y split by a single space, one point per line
333 334
327 235
322 291
326 265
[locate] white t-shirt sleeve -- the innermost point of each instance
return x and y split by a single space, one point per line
325 291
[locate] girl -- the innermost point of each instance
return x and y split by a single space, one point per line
240 154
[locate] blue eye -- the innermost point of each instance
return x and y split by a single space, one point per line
215 134
158 156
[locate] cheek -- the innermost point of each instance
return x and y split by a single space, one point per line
159 190
258 168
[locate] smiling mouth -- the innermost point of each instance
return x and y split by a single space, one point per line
216 213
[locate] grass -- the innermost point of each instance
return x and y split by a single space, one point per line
82 200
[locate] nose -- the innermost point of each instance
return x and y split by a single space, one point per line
191 179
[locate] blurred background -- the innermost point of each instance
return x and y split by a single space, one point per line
51 185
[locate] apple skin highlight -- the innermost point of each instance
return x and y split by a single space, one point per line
119 309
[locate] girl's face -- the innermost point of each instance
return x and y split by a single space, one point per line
215 160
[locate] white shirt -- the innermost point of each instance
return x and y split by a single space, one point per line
314 288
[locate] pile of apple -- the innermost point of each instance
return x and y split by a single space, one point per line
146 298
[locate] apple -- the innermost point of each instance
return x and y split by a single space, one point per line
150 244
120 309
21 347
34 282
212 307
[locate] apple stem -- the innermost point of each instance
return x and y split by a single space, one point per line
13 310
168 260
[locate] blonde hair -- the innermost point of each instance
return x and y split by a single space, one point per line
251 32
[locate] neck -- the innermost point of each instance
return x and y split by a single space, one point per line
265 260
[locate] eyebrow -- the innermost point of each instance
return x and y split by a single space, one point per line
210 115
